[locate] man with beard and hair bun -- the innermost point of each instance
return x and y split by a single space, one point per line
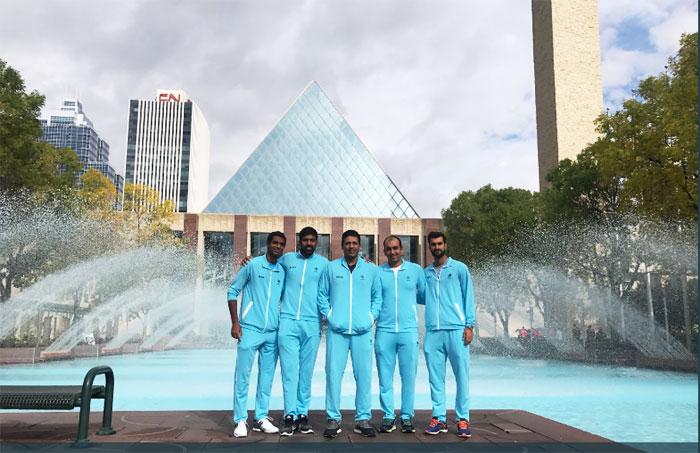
450 317
260 283
300 330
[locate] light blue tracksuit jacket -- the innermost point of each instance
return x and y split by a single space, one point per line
299 332
258 288
350 302
397 334
449 308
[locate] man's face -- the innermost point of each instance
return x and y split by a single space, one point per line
351 247
307 245
276 246
393 252
438 247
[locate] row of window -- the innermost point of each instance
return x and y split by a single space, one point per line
218 250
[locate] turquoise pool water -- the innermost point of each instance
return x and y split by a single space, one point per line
622 404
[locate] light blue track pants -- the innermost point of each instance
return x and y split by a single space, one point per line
387 346
265 344
298 342
439 346
360 347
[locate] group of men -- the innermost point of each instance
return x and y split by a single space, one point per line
283 299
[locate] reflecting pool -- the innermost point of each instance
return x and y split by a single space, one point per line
622 404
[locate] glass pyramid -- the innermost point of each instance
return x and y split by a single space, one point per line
311 164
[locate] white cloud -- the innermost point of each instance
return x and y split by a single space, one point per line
441 93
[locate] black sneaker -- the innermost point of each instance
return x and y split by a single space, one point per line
332 429
363 427
288 428
407 426
302 425
388 425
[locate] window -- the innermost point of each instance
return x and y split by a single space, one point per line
411 251
367 247
218 256
258 244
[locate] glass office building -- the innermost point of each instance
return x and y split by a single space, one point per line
69 127
168 149
312 163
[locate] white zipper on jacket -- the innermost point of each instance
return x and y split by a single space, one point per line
437 276
301 287
396 298
267 307
350 323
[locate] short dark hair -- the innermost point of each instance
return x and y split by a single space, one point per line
436 234
392 237
350 233
308 231
278 234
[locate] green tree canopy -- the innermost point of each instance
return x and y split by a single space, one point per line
28 163
484 225
646 159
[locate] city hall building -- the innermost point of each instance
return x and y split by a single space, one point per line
311 169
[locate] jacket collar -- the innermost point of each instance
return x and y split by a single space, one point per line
268 265
444 266
388 268
360 262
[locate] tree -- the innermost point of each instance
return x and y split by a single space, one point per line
97 192
645 161
149 218
484 225
26 161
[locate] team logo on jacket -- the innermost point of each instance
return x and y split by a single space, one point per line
362 276
449 275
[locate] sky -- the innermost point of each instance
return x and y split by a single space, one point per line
441 93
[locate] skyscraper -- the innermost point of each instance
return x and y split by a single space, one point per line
68 127
168 149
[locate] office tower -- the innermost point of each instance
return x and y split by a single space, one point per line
168 149
68 127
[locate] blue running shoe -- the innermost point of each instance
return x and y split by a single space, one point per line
436 426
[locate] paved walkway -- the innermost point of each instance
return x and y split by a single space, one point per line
197 430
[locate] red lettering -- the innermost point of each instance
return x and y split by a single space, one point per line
167 97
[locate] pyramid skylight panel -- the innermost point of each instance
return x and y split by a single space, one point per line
312 164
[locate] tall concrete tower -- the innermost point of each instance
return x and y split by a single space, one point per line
568 86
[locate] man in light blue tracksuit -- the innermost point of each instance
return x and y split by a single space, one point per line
403 285
261 283
450 316
300 330
349 297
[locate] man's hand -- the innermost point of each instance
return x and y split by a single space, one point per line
245 260
468 335
236 331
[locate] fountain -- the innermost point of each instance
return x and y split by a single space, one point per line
152 307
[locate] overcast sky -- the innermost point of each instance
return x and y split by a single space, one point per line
442 93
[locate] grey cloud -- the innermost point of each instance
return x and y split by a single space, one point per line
437 91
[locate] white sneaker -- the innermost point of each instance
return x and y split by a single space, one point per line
265 426
241 429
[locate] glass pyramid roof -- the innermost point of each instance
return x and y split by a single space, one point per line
311 164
